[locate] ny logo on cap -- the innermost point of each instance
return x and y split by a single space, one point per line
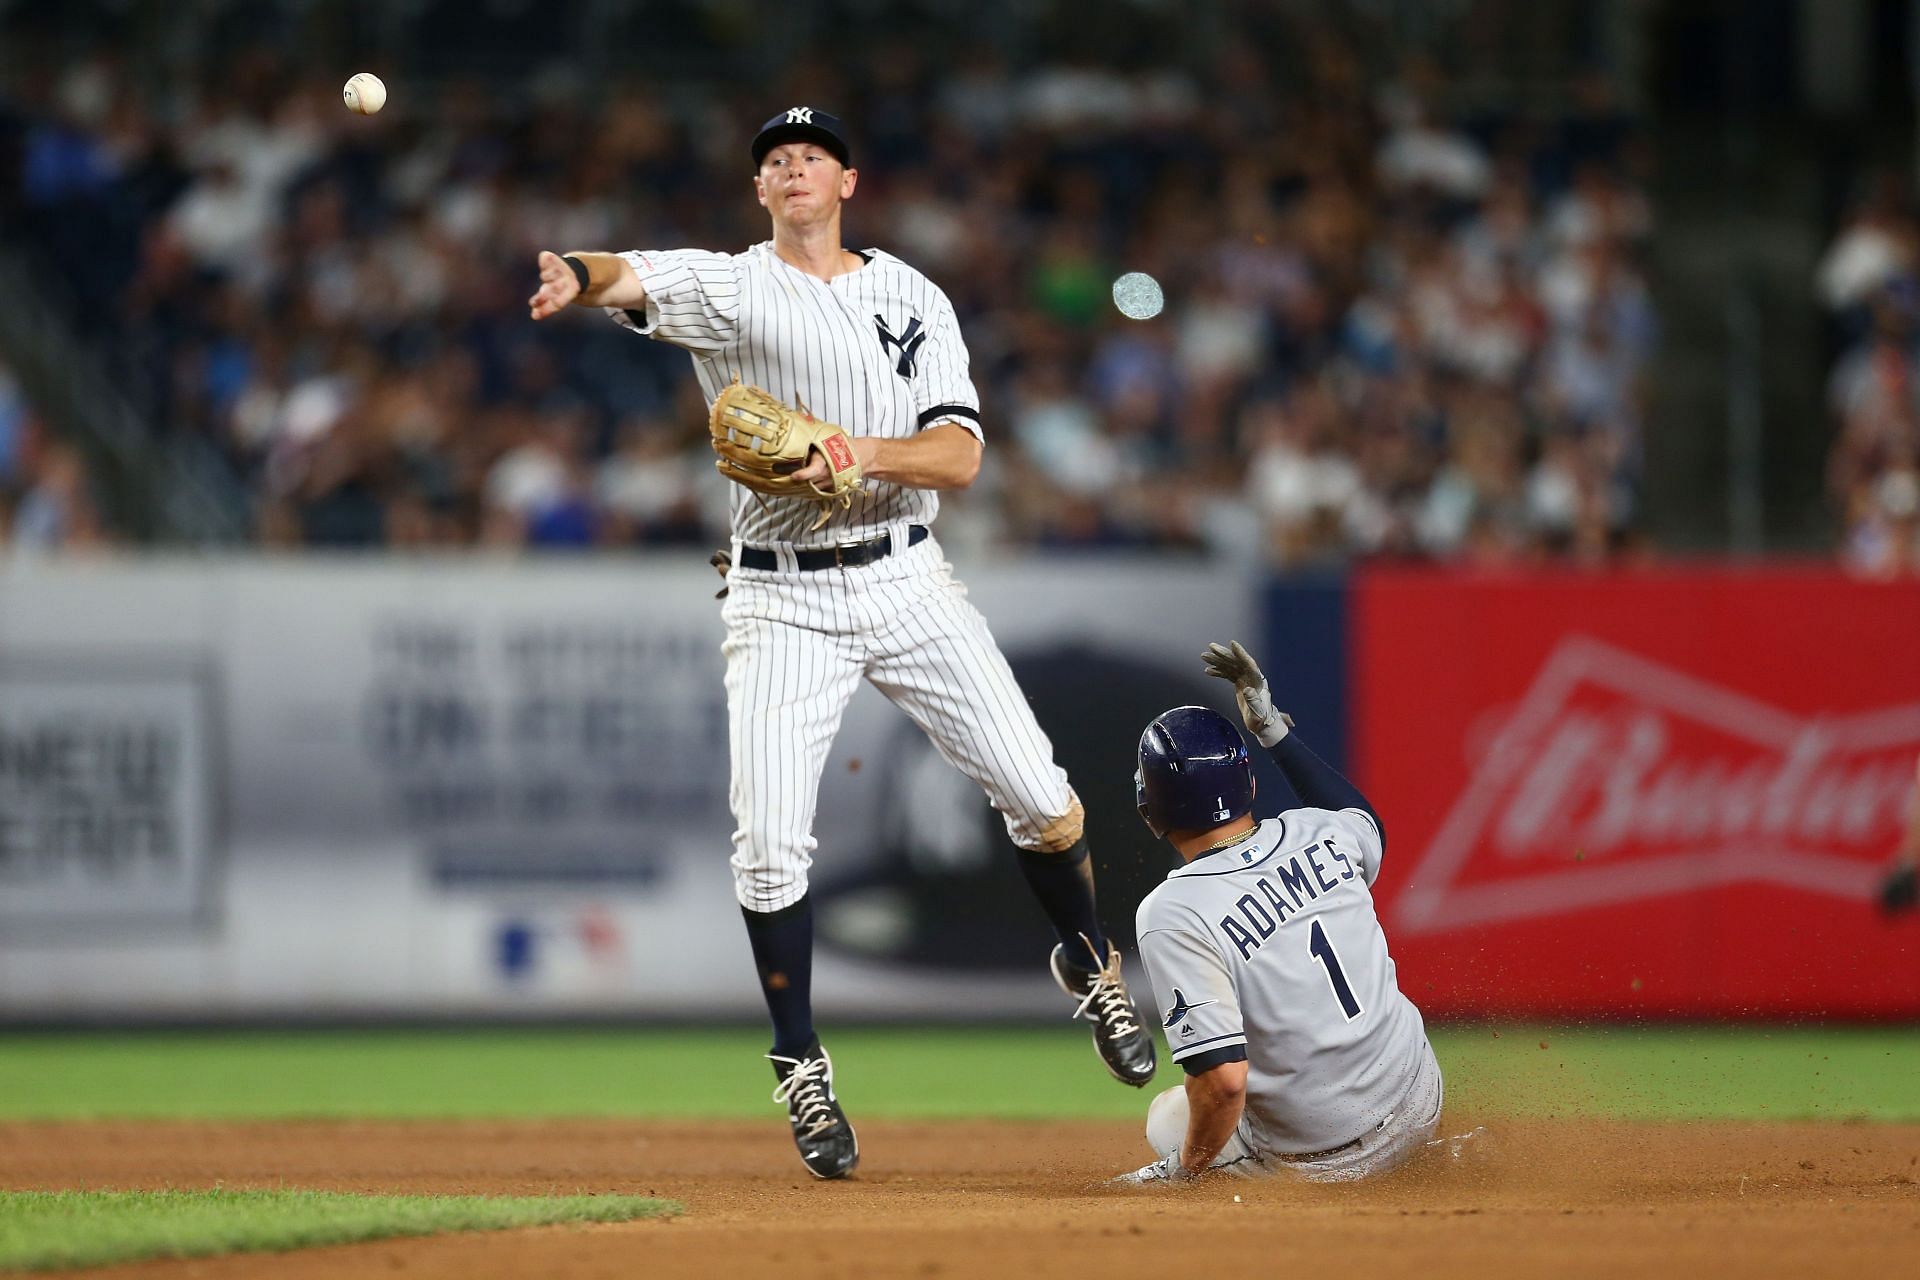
799 115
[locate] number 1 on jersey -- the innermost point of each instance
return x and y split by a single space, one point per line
1323 952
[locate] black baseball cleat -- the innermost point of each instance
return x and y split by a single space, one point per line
820 1129
1123 1044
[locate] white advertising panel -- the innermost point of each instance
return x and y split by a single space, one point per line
106 793
338 788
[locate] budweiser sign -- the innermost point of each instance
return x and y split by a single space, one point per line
1616 778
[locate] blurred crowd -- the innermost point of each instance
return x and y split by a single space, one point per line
1394 326
1870 283
46 502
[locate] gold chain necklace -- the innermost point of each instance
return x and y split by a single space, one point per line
1232 839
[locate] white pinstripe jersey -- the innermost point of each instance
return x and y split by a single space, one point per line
1272 943
876 350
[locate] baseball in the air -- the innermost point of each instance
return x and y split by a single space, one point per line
365 94
1137 295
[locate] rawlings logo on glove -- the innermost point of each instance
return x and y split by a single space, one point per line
762 441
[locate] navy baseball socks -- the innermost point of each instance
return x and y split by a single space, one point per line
783 956
1086 965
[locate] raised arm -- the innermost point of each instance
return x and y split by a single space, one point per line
589 279
1316 782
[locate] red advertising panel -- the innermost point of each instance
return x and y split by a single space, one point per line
1659 793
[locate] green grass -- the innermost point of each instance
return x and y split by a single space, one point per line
1020 1073
1685 1073
51 1229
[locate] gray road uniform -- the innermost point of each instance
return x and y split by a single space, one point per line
1269 949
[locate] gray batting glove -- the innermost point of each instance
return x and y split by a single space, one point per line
1249 690
1166 1170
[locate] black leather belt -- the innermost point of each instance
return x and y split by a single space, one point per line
1334 1151
1304 1156
848 556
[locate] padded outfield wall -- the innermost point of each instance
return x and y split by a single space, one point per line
311 787
1661 793
265 787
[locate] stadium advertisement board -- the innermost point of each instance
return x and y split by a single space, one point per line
326 787
1658 793
107 794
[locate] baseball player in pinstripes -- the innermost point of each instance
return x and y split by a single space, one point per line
1300 1051
863 340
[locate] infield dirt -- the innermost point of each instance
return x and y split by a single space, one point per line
956 1199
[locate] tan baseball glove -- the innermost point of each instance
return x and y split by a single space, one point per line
762 441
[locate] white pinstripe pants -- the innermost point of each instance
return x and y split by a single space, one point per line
797 646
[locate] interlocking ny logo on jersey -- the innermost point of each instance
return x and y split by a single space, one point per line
1618 779
1180 1010
799 115
907 344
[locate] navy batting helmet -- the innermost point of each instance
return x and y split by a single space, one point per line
1194 772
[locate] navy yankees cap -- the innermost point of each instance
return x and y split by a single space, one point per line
803 124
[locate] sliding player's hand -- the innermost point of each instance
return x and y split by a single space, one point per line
1249 690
